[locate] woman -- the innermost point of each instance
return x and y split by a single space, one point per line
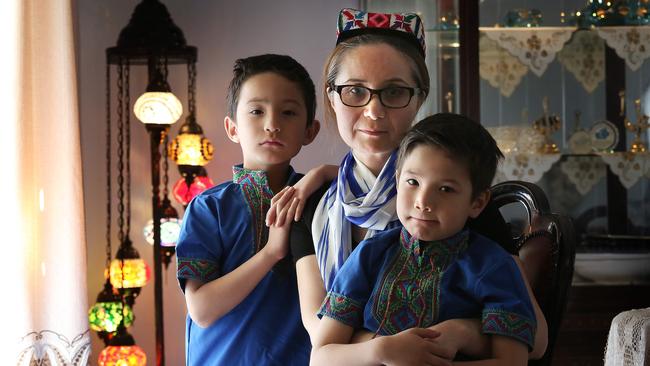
375 82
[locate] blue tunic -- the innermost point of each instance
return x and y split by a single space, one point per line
223 228
393 282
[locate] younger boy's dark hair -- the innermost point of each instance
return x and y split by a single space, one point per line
463 139
282 65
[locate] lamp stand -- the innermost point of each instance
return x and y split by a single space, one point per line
156 134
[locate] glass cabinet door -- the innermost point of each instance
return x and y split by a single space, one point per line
441 24
559 82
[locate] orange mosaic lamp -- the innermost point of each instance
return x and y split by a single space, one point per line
128 272
122 351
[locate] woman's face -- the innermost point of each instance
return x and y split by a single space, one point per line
374 131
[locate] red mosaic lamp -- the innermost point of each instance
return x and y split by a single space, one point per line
183 191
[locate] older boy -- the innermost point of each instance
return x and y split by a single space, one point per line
242 302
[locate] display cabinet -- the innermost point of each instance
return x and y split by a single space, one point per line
564 87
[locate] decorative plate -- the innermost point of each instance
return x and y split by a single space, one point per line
604 136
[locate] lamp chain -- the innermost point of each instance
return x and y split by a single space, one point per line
120 151
108 166
127 134
191 86
165 166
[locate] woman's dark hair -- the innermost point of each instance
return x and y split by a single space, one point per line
282 65
465 140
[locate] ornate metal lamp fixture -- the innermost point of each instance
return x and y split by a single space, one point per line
151 39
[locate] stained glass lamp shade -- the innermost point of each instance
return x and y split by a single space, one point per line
159 108
184 194
122 351
128 270
170 226
190 147
169 231
109 311
129 273
158 105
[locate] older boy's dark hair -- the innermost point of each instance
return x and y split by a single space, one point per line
463 139
282 65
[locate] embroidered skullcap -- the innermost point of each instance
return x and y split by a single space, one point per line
354 22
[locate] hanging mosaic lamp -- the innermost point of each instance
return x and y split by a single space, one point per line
108 312
190 148
184 192
129 272
158 105
122 351
170 226
170 229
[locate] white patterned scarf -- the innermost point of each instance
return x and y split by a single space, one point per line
356 197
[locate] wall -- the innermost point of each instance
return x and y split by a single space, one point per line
222 31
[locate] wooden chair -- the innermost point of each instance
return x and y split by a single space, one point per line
548 259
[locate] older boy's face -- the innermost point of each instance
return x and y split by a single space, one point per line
434 194
271 121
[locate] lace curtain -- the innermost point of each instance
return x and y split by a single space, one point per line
44 284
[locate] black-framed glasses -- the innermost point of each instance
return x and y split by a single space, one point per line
390 97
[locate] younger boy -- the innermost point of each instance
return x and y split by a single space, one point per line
242 305
434 268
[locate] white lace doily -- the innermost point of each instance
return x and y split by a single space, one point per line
51 348
584 57
583 171
498 67
632 43
526 167
534 47
627 166
627 342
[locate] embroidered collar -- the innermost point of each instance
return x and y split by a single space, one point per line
257 177
439 252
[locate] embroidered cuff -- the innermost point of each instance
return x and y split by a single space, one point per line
509 324
196 269
343 309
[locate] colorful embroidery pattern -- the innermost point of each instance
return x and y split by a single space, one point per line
343 309
496 321
258 195
198 269
352 19
409 292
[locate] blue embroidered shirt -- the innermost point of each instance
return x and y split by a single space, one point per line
393 282
224 227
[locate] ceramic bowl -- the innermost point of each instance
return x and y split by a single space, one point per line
612 268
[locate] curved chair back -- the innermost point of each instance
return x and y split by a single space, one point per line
548 261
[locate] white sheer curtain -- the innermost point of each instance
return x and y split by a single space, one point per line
43 297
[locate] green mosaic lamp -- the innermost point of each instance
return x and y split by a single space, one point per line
108 311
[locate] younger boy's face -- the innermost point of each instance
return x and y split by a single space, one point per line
434 194
271 121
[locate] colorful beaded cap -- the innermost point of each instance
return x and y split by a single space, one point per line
353 22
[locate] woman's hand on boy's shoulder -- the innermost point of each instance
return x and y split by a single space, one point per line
277 245
304 188
279 202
